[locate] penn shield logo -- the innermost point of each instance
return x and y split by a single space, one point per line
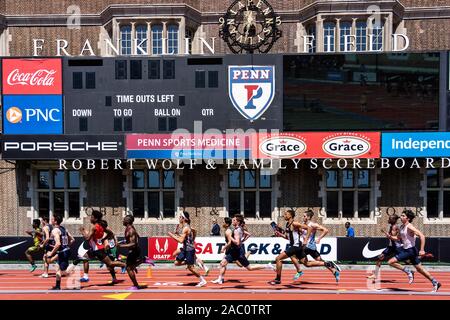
282 147
251 89
14 115
346 146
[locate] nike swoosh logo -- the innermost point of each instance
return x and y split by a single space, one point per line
4 248
369 254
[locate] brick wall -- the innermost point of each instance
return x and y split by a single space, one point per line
13 7
428 34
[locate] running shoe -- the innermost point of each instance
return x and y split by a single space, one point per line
206 271
271 267
84 279
202 283
149 261
274 282
123 270
55 288
298 275
218 281
44 275
372 277
33 267
113 282
337 276
410 277
335 266
436 286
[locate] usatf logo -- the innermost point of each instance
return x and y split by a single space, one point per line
251 89
346 146
282 147
161 248
14 115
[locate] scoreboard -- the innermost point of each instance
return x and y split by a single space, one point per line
157 95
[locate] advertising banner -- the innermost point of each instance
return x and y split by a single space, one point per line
16 147
415 144
262 249
319 145
32 76
362 249
32 114
187 146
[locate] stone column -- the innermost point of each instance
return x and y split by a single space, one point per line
149 32
133 38
164 38
181 35
319 33
337 37
387 36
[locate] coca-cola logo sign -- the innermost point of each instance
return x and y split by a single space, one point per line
40 77
346 146
32 76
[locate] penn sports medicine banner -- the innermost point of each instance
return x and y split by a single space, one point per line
187 146
208 248
306 145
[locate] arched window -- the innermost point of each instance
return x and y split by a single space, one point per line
361 36
125 39
157 34
141 39
377 36
329 30
172 35
346 30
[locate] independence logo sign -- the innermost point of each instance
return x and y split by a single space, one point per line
251 89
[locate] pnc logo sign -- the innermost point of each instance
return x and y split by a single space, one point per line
251 89
14 115
32 114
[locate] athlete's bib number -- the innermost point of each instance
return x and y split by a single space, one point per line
65 240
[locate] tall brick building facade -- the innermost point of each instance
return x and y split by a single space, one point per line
206 194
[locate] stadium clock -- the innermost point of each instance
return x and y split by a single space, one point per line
251 26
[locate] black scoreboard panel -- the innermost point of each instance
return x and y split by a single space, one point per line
159 95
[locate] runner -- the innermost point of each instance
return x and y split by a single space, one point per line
393 248
63 241
407 235
311 244
187 254
47 244
134 258
84 254
36 234
292 232
235 250
95 237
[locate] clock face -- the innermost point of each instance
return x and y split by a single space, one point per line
250 25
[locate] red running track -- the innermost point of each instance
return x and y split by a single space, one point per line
239 285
